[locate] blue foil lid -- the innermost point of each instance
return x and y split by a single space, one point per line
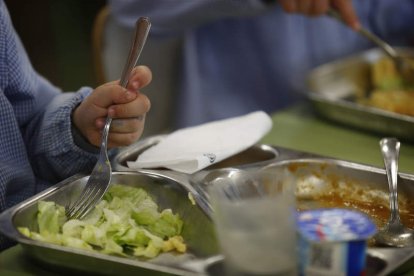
335 225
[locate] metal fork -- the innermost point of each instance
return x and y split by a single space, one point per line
100 178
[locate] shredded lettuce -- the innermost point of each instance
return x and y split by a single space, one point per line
167 225
126 221
50 217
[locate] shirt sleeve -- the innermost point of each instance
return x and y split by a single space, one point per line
178 16
53 151
37 114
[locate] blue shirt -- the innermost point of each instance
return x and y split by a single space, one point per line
243 55
36 144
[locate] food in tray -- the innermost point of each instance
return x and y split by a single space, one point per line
385 76
389 92
330 191
369 202
125 222
398 101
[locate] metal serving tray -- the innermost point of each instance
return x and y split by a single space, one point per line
198 231
333 88
170 189
318 175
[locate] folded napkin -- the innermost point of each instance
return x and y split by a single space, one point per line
192 149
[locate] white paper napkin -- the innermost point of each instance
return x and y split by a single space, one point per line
192 149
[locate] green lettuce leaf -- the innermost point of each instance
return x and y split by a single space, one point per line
73 228
168 225
50 217
126 220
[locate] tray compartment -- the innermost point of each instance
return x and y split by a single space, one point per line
198 230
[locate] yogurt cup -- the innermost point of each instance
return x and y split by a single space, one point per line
333 241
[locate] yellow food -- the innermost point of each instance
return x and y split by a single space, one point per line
390 92
398 101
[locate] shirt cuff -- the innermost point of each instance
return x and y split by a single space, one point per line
81 141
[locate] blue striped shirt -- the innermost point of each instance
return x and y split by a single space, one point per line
36 144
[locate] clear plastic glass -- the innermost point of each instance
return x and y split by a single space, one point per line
254 215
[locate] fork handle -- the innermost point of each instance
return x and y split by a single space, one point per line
142 27
104 140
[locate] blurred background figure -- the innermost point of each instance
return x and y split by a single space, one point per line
231 57
162 54
210 58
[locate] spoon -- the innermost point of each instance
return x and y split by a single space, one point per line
394 233
404 65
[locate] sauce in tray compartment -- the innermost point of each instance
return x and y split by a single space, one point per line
378 211
320 186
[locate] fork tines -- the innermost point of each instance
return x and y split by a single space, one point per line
91 194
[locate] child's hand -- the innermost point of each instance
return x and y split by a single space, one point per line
127 107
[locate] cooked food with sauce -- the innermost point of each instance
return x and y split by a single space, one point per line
323 190
390 92
377 208
125 222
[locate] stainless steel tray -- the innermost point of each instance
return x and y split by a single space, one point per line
198 230
170 189
333 87
318 175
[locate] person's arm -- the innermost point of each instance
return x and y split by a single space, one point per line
321 7
391 20
53 148
177 16
25 97
43 114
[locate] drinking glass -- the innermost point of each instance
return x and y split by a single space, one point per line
254 216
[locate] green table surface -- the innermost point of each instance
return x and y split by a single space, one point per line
300 129
295 128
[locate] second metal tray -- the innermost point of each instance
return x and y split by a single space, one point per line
333 88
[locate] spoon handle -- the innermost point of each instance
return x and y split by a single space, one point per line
387 48
390 148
